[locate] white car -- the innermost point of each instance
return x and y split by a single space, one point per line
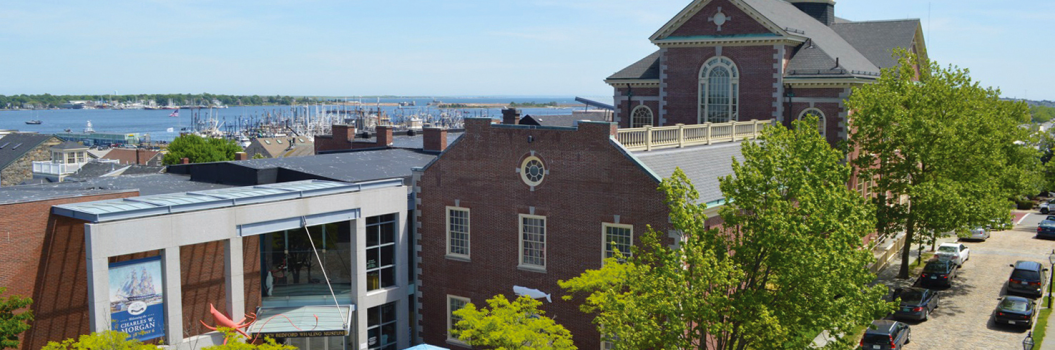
955 252
1045 207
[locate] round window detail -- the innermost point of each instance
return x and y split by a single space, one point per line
532 171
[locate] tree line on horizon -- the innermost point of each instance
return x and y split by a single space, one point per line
54 101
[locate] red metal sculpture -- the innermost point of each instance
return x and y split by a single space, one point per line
224 321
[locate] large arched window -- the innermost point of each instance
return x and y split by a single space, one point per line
641 116
818 114
719 91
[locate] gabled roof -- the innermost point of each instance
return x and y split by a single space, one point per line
646 68
694 7
877 40
279 147
703 165
14 146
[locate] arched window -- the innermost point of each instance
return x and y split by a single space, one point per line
719 91
818 114
641 116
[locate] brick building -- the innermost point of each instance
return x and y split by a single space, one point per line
737 60
523 205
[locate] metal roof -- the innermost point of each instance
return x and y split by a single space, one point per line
127 208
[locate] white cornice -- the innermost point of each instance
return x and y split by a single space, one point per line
693 8
749 41
827 82
647 83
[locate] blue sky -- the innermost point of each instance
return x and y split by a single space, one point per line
431 47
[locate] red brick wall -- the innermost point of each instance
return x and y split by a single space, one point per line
741 23
589 182
202 276
756 89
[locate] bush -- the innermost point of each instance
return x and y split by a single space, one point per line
1023 204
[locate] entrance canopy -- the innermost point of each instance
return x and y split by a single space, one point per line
303 321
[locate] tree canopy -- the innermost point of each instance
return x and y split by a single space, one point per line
200 150
950 147
510 325
13 322
110 340
787 265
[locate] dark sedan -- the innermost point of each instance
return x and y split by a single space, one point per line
916 304
1016 311
938 273
1046 228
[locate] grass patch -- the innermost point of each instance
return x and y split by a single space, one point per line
917 267
1042 324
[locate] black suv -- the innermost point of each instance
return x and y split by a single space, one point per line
1028 278
886 335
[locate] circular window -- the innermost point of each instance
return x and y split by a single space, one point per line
532 171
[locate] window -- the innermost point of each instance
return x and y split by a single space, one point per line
817 113
533 241
617 237
292 269
380 252
641 117
458 232
381 327
454 303
532 171
719 91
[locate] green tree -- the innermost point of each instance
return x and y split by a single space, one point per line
510 325
948 145
200 150
788 264
235 341
109 340
13 322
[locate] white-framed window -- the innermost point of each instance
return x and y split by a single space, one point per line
533 171
641 116
719 95
608 342
458 232
818 114
616 237
454 303
533 241
380 251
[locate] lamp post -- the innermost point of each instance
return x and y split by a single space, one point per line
1051 259
1027 344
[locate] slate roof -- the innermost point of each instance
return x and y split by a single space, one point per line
278 147
14 146
565 120
67 145
877 40
646 68
145 184
351 166
99 169
702 164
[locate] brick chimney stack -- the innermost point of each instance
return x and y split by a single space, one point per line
435 139
343 133
241 156
511 116
184 161
384 136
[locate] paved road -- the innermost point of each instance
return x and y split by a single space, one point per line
964 317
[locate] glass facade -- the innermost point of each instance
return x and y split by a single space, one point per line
380 252
292 270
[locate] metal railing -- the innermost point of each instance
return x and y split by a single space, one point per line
649 138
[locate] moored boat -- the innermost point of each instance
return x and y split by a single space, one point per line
34 122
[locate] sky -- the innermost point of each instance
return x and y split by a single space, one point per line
434 47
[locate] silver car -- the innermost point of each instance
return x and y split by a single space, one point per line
979 234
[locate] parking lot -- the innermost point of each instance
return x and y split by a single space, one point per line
964 318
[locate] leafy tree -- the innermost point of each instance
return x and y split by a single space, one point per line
787 265
945 143
235 341
510 326
200 150
11 323
110 340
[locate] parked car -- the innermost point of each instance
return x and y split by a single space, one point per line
886 335
1028 278
955 252
1044 207
938 273
1016 311
916 304
978 234
1046 228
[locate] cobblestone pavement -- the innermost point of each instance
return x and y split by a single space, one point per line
964 318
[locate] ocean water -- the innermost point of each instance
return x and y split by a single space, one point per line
156 122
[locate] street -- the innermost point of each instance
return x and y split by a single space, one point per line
964 318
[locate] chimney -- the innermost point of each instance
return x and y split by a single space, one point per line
821 10
511 116
343 133
435 139
184 161
384 135
241 156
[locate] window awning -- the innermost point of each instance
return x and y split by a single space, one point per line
303 321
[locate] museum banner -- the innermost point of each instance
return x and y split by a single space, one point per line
136 298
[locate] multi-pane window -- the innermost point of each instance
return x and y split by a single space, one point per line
816 113
380 251
719 91
458 231
454 303
533 241
641 117
617 237
381 327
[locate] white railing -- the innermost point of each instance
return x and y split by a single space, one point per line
649 138
52 168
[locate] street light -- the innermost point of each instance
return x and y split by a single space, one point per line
1051 259
1027 344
